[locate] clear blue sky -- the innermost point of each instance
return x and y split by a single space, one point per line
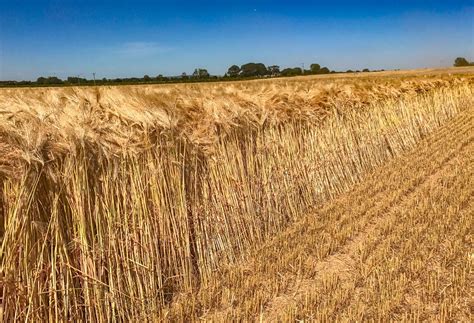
133 38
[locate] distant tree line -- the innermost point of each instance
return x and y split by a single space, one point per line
234 72
260 70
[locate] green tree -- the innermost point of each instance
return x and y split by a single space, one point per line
49 80
292 71
461 61
200 73
273 70
324 70
233 71
315 68
253 69
146 78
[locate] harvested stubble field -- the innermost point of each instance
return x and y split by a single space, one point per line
343 198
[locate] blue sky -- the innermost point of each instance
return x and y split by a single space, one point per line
133 38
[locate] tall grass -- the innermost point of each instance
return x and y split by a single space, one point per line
97 234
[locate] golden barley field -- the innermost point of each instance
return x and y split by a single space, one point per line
331 198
